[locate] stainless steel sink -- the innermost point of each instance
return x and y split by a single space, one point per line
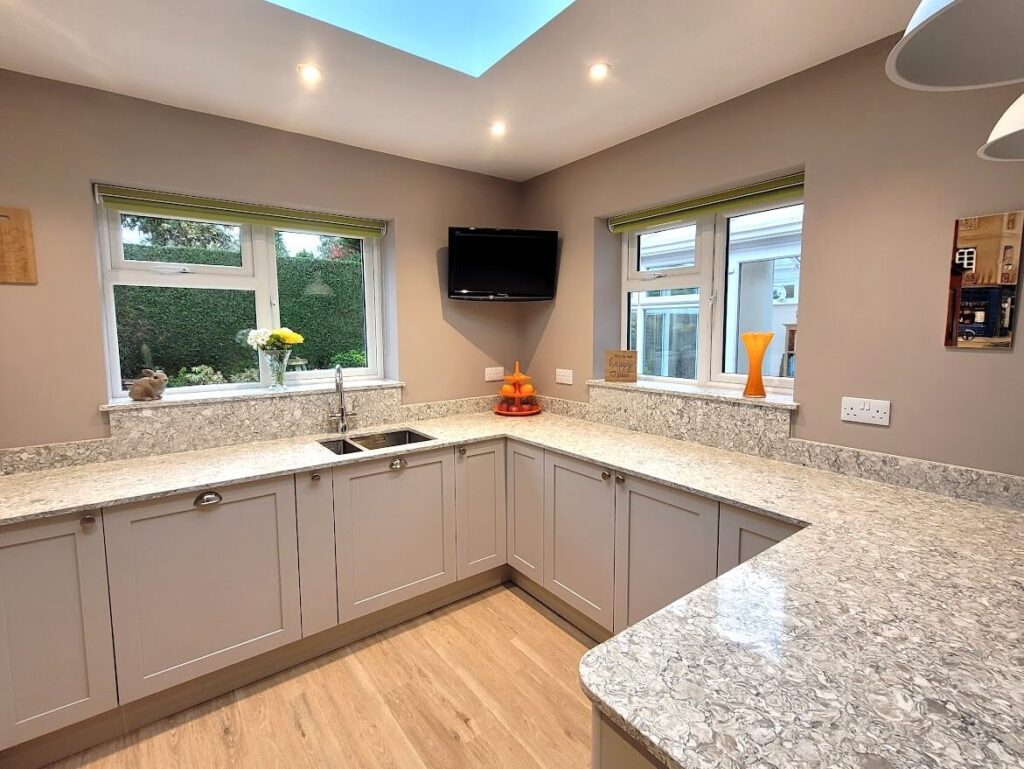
388 439
373 441
341 446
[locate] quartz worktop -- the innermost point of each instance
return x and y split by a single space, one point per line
887 633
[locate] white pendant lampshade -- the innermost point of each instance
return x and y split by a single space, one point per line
1007 139
952 45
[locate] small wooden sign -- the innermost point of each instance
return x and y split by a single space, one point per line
17 252
620 366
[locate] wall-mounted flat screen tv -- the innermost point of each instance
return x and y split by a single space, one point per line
502 265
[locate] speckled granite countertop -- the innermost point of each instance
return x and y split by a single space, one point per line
888 633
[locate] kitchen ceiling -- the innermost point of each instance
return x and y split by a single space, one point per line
469 36
238 58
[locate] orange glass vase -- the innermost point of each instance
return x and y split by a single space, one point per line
756 343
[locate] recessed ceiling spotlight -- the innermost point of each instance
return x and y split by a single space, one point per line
310 74
600 71
498 129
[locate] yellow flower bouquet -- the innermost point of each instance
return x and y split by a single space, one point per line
273 339
275 346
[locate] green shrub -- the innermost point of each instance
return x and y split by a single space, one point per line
350 359
248 375
196 375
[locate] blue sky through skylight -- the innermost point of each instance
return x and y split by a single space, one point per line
470 36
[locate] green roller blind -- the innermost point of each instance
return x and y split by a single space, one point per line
689 209
188 206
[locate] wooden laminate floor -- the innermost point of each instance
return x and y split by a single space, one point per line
491 681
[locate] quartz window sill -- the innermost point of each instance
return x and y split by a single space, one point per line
782 401
171 398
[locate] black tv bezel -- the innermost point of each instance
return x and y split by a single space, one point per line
497 296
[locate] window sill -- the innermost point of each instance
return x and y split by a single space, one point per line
219 396
783 401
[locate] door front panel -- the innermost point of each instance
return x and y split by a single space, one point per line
579 564
56 651
196 587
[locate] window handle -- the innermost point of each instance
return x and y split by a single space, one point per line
652 275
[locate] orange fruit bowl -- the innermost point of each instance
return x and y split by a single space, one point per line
525 410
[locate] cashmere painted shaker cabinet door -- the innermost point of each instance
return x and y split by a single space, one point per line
56 651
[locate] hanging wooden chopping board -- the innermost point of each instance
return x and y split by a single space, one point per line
17 252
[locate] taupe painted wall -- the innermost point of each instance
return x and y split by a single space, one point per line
888 171
55 139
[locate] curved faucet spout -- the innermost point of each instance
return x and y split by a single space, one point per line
342 415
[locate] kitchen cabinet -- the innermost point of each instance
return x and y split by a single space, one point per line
395 529
525 509
480 507
579 536
201 581
318 574
666 545
612 749
743 534
56 651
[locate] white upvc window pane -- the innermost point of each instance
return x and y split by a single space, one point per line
321 292
195 335
157 239
762 287
669 249
664 330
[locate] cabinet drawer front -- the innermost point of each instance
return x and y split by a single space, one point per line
56 651
196 588
480 507
395 530
525 509
579 542
666 547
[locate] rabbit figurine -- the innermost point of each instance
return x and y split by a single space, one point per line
149 387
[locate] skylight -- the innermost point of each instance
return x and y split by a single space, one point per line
470 36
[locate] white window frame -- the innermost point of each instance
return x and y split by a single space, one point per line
708 276
634 274
258 274
635 280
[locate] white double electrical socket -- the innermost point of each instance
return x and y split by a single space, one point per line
866 411
563 375
494 374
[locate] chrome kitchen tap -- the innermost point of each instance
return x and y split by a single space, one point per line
342 415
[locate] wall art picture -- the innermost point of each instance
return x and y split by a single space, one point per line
984 279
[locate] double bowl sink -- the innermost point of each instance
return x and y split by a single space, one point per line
374 441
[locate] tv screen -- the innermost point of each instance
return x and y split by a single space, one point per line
502 265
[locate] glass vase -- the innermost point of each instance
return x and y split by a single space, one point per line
277 366
756 343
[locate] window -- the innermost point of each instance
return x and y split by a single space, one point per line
670 249
182 292
761 286
319 277
742 257
663 326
